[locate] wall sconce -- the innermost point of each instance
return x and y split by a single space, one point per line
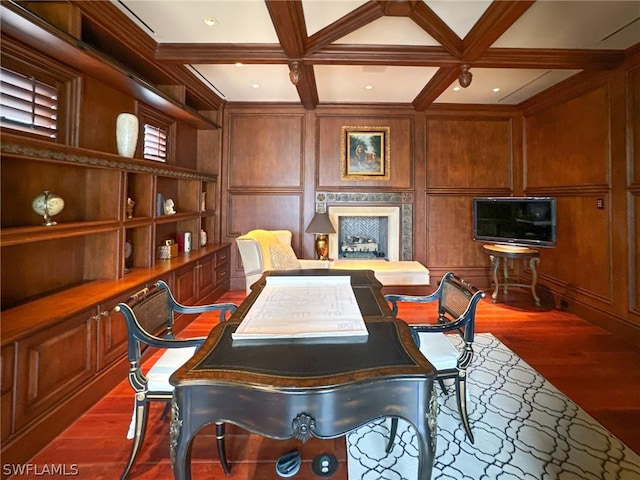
321 226
465 76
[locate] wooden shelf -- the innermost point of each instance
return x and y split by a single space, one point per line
21 321
88 242
20 235
34 32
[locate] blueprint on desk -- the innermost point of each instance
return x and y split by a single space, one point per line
303 307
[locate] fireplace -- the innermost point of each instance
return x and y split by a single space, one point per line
369 226
371 233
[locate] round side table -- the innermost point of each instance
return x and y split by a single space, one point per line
498 253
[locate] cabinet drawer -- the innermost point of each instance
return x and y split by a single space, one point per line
222 257
222 275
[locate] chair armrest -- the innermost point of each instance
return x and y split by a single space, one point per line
305 264
393 299
172 343
222 307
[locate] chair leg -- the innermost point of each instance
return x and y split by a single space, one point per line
165 412
222 451
392 434
443 386
140 429
461 396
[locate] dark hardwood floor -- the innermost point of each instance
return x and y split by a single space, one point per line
595 368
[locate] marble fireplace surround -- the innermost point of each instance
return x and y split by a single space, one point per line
397 207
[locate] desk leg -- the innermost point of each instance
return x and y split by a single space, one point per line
495 261
179 444
427 429
534 278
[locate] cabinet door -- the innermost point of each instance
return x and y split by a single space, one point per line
6 399
186 285
112 333
52 364
206 276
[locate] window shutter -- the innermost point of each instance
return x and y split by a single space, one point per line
28 105
155 143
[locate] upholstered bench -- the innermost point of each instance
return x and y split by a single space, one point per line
388 273
263 250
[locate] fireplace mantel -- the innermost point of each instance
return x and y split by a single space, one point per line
403 202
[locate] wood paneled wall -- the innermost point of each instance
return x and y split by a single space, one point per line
574 143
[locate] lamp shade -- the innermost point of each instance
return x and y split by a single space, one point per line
320 224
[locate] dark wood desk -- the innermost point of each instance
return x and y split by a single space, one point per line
306 388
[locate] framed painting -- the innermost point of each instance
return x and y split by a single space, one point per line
365 153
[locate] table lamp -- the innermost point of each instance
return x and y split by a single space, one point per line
321 226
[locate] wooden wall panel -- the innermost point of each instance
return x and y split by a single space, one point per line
633 106
266 151
469 153
95 133
633 87
186 147
569 144
267 211
401 136
582 256
635 258
449 232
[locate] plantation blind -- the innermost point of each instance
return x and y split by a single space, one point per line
28 105
155 143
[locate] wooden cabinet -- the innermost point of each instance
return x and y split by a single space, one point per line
62 347
62 352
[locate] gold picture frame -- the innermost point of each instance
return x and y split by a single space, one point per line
365 153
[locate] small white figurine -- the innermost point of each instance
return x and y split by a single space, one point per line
169 207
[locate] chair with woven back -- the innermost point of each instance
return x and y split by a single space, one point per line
457 301
149 315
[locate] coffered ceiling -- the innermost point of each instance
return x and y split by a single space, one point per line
407 52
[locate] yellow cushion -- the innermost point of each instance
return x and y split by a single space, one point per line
283 257
265 239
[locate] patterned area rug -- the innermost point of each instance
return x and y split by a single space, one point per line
524 428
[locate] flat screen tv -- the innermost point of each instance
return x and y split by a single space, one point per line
523 221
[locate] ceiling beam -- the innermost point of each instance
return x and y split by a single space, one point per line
390 55
496 20
444 77
426 19
550 58
288 22
307 88
221 53
351 22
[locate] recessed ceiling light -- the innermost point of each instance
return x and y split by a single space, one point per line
210 21
239 64
368 87
496 90
255 85
456 88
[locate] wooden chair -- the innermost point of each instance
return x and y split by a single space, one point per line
149 315
457 300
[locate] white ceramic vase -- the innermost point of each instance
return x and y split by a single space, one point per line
126 134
